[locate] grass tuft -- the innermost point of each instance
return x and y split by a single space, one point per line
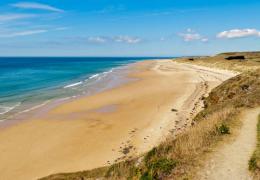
223 129
252 163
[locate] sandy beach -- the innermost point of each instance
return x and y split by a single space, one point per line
110 126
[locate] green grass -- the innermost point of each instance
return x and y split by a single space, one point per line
254 162
158 167
223 129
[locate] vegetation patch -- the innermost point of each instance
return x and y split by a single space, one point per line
223 129
158 168
254 162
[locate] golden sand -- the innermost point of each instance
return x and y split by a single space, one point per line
107 127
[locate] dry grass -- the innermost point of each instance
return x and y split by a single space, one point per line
174 158
200 136
198 140
252 61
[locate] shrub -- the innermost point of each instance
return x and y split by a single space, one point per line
252 164
150 154
223 129
146 176
158 168
164 165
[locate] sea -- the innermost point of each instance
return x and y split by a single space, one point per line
28 83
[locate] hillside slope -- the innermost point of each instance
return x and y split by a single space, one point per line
223 162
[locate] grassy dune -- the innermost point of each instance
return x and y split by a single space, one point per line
181 157
251 62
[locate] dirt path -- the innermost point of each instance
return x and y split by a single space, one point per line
231 160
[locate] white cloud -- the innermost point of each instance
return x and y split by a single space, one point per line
204 39
190 30
191 35
115 39
11 31
23 33
238 33
97 39
162 39
33 5
127 39
12 17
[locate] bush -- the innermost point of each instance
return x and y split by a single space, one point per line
252 164
158 168
146 176
164 165
223 129
150 155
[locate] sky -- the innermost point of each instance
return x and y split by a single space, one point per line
128 27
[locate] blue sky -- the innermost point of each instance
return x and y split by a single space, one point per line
128 27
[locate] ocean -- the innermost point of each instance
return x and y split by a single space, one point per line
28 83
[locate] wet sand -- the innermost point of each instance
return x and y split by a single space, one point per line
110 126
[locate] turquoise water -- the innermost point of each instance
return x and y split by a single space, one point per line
28 83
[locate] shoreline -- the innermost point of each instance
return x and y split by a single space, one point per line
121 73
110 126
91 85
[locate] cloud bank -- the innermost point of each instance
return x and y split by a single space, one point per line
238 33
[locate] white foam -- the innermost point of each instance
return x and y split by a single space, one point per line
104 74
35 107
64 99
98 76
74 84
6 109
2 120
93 76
